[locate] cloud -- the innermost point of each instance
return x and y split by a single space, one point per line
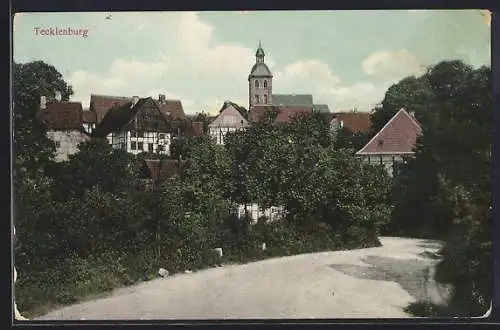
316 78
392 64
195 38
124 78
190 53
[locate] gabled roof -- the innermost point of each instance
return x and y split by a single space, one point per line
231 109
117 117
62 116
292 100
243 112
398 136
355 121
102 103
172 109
89 117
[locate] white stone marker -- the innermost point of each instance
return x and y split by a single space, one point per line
163 272
219 251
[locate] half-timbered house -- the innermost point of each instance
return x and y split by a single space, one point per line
137 126
231 118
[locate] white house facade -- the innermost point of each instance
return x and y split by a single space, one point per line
64 124
135 142
231 118
142 125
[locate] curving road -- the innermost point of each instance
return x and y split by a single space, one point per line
366 283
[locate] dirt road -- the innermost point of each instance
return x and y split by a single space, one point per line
366 283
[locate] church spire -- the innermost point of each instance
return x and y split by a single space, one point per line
259 55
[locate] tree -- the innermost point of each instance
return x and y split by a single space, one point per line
453 158
411 93
347 139
95 164
32 149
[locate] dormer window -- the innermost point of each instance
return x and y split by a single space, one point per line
256 84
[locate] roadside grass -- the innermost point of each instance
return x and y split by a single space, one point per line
81 280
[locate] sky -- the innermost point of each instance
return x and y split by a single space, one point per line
346 59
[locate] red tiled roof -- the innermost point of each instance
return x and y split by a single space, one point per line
355 121
102 103
286 114
62 115
89 116
398 136
172 109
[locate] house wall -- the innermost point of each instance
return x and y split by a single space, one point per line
66 142
387 161
255 212
218 133
89 127
135 143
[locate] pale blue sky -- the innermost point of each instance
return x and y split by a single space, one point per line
346 59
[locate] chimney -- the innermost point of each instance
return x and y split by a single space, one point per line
135 99
43 102
161 98
58 96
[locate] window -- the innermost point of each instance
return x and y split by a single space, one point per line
256 84
58 144
140 146
265 83
150 147
161 136
133 145
256 98
265 98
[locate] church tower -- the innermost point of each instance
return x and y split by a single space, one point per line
260 81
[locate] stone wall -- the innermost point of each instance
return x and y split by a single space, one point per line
66 142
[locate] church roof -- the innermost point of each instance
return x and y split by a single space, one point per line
260 70
321 108
398 136
292 100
